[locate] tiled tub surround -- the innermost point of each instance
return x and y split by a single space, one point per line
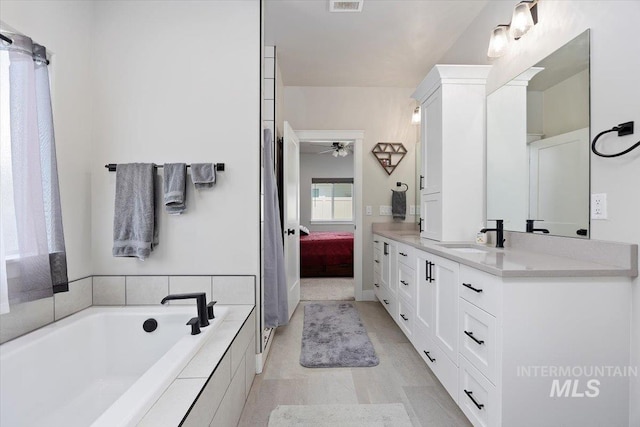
477 318
174 376
122 290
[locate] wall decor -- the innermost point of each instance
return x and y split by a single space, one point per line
389 155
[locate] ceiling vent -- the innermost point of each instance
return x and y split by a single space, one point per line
345 6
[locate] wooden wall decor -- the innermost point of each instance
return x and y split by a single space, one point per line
389 155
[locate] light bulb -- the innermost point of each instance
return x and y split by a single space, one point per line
343 152
335 153
499 42
415 117
522 21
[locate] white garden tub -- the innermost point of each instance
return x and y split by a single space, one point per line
97 367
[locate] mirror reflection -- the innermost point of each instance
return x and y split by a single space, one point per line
538 146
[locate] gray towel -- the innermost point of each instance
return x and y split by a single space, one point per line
203 175
399 204
134 222
175 187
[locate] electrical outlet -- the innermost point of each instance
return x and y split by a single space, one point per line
412 209
369 210
599 206
385 210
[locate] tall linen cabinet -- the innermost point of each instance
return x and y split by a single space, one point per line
452 101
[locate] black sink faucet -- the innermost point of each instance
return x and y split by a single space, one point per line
499 232
201 302
530 228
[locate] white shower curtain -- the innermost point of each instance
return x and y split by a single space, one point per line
34 257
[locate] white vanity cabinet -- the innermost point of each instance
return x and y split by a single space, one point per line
452 100
487 337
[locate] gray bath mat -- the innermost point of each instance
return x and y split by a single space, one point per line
333 337
381 415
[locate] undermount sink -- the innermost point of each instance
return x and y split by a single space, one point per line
466 248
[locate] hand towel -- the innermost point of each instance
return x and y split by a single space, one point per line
134 222
175 187
203 175
399 204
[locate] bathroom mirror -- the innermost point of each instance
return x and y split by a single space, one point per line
538 145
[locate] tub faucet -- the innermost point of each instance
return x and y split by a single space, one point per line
201 303
530 226
499 232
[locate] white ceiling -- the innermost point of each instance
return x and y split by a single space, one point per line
391 43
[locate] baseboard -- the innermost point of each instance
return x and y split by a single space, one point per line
368 295
261 358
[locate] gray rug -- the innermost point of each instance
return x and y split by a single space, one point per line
381 415
334 337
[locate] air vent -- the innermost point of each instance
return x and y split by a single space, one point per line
345 6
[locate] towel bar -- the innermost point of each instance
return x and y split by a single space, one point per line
112 167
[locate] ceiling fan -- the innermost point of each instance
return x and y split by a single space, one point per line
337 149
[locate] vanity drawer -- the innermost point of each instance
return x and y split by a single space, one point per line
388 302
406 282
442 367
406 317
478 342
480 288
477 397
406 256
377 284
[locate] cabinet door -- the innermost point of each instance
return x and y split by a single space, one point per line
389 270
431 127
431 215
425 292
445 281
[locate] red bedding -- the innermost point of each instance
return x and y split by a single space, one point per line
322 251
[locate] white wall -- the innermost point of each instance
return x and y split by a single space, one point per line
179 81
384 114
321 166
566 105
615 91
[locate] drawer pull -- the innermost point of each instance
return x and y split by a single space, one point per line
468 285
404 283
385 249
431 279
403 254
376 285
429 357
478 405
385 301
470 335
376 261
376 241
405 318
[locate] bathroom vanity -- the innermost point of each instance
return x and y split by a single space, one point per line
515 336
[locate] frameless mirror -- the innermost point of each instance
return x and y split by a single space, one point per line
538 145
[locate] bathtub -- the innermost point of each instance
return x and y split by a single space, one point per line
97 367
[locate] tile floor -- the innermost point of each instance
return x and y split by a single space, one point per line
327 289
401 376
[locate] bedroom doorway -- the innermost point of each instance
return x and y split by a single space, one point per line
331 207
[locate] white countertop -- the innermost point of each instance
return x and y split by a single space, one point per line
511 262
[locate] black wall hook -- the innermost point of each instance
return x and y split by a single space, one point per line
622 129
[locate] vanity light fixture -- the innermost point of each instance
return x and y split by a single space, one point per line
525 16
415 117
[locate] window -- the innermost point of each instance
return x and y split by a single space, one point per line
332 199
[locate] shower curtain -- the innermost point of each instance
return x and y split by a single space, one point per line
276 310
33 248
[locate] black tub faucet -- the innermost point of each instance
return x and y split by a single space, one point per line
530 228
201 302
499 232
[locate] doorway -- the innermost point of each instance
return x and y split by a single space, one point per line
353 142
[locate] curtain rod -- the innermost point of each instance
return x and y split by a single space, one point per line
6 39
112 167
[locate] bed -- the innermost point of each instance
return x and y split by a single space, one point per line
326 254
